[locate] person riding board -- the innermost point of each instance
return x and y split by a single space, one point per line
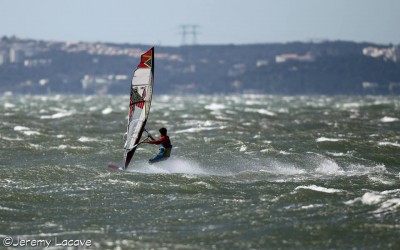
165 146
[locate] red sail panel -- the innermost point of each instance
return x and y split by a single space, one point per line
146 59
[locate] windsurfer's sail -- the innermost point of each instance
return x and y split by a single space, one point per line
140 101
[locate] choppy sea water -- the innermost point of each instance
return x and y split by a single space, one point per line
247 172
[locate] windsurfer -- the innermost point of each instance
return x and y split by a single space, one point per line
165 146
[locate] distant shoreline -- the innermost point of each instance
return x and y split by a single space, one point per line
30 66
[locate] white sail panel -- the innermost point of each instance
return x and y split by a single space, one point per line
141 77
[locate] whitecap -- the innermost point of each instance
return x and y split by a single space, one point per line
123 182
351 105
10 139
195 130
62 147
394 191
61 115
107 111
29 133
320 189
35 146
312 206
266 112
215 106
7 208
26 131
63 233
352 202
371 198
389 144
388 206
205 184
329 167
50 224
359 169
57 115
323 139
389 119
260 111
335 154
86 139
252 102
381 180
8 105
21 128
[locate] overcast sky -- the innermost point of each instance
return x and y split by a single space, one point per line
158 22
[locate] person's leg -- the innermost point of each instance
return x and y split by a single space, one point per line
159 157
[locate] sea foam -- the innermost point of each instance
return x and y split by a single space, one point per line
57 115
171 166
320 189
389 119
325 139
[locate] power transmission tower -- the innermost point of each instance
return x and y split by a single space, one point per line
189 29
183 33
194 33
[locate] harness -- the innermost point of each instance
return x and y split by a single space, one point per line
166 150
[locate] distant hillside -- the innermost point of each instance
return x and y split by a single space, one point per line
332 67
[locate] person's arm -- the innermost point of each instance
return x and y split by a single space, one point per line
158 141
151 138
154 141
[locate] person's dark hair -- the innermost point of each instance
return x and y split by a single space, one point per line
163 131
